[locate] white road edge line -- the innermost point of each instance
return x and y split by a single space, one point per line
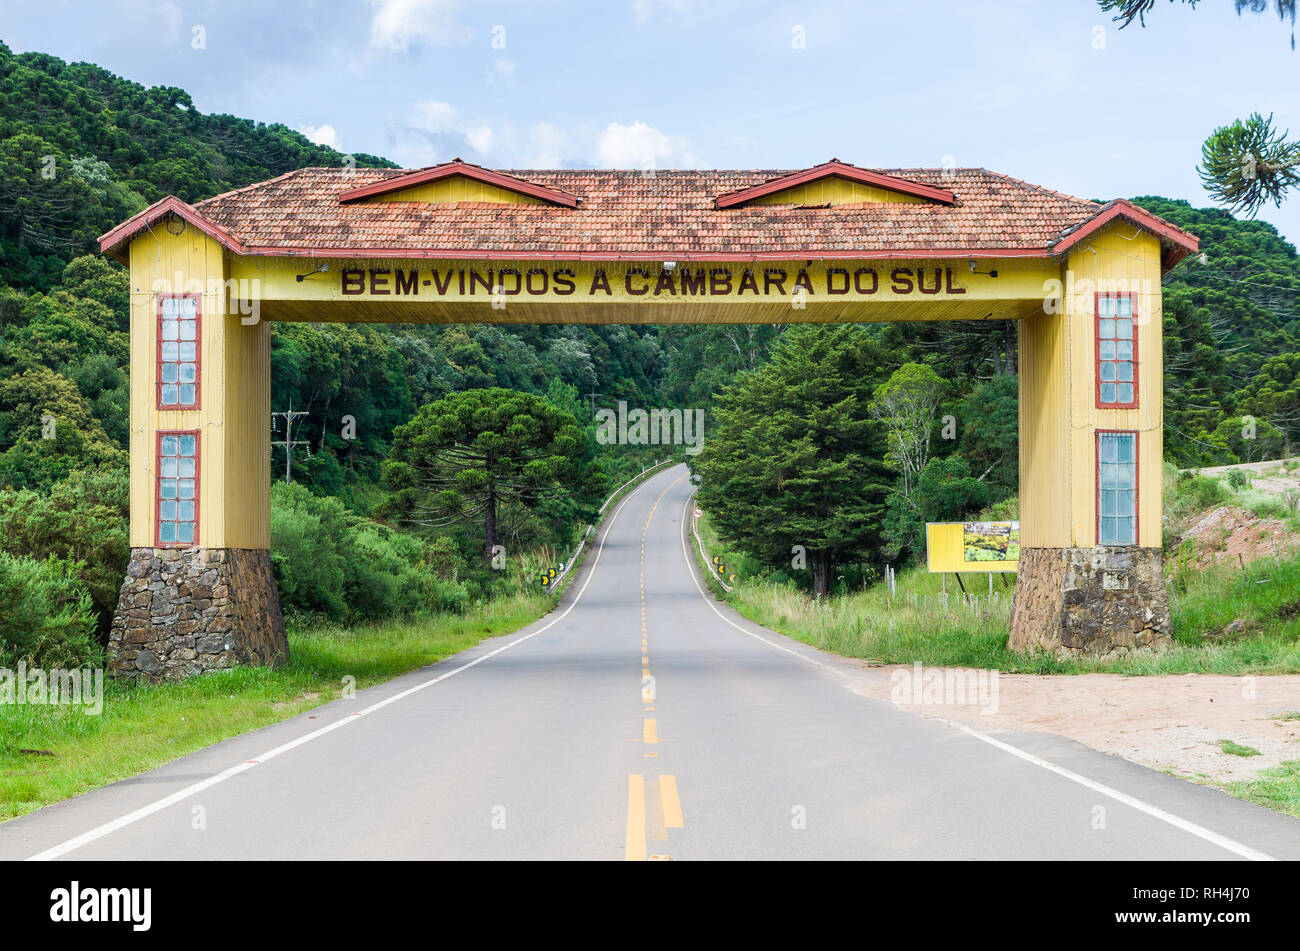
691 570
1185 825
1178 822
181 795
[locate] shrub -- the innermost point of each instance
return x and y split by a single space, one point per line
82 519
330 561
46 616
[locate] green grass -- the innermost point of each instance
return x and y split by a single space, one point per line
875 627
1277 788
1233 748
143 725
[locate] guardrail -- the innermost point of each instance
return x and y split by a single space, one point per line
716 560
559 573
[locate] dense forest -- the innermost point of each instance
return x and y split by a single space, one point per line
82 149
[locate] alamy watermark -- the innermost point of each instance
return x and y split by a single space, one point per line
965 686
654 427
81 688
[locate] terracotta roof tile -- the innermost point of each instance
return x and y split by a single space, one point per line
626 213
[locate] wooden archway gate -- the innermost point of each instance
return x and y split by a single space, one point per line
457 243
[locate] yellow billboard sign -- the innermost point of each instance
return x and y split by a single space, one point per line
972 546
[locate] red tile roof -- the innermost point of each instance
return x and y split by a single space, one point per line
628 215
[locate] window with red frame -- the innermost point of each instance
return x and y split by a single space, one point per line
1116 351
178 489
178 351
1117 488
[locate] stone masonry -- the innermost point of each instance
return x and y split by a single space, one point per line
1104 602
185 611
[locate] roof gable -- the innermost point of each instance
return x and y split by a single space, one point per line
872 187
114 242
493 187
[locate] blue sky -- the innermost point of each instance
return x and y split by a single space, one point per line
1051 92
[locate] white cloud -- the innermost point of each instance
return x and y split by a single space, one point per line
397 25
645 9
434 116
482 138
505 71
546 146
322 135
642 146
170 15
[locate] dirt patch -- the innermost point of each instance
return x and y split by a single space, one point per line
1271 477
282 705
1170 722
1232 534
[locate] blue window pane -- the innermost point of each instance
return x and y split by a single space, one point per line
1105 305
1124 306
1108 392
1108 372
188 329
1123 329
1107 349
188 373
186 510
186 351
1124 350
1117 488
170 394
1125 371
168 446
186 532
186 488
167 488
167 511
170 372
169 351
1125 393
1107 330
187 445
186 395
1124 446
167 531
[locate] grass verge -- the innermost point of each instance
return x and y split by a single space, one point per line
142 725
1226 621
1277 788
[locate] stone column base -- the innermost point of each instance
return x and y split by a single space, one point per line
184 611
1104 602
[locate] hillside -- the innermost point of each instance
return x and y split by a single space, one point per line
81 149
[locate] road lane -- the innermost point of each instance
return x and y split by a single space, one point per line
619 727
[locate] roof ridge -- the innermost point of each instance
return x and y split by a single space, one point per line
244 188
1040 188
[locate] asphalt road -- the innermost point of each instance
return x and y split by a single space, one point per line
542 745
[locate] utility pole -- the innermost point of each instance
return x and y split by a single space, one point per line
288 442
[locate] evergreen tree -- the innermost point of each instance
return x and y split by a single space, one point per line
794 458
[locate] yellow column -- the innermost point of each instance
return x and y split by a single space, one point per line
212 604
1073 594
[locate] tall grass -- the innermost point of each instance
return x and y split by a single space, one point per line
914 625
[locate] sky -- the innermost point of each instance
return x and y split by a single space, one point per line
1050 92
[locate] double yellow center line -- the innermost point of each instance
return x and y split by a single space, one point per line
666 804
